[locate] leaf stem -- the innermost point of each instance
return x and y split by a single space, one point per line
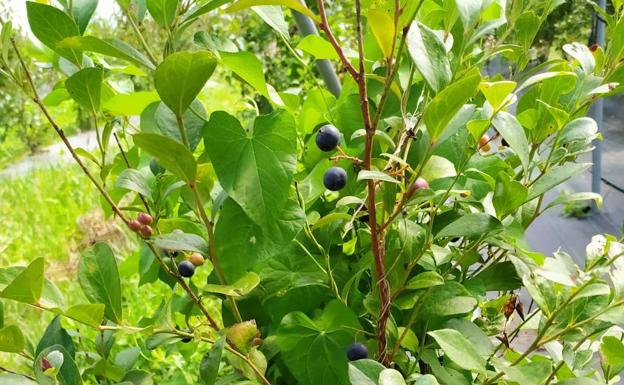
213 249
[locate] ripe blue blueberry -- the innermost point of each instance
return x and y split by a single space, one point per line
335 178
186 269
327 138
357 351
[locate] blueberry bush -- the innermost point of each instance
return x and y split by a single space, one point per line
375 236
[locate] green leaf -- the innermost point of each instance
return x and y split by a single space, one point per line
498 277
382 25
134 180
615 50
424 280
27 286
583 55
292 4
82 10
579 381
99 278
612 351
241 287
242 243
447 300
56 335
194 120
474 334
438 167
130 104
108 47
575 197
391 377
68 373
274 17
51 25
497 92
292 282
508 196
11 339
427 379
471 225
469 12
530 373
317 47
459 349
554 177
448 102
365 372
535 79
314 349
127 357
174 156
138 377
202 9
85 88
181 76
256 168
177 241
376 175
209 366
429 55
88 314
163 11
14 379
249 68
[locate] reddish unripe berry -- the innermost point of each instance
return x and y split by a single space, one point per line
134 225
196 259
419 184
145 219
147 231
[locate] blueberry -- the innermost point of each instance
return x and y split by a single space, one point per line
327 138
357 351
335 178
186 269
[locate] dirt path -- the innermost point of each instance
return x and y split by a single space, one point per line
51 155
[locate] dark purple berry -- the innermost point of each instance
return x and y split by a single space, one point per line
357 351
335 178
327 138
186 269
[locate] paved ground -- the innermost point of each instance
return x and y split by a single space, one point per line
553 230
51 155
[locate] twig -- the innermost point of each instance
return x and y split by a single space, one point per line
324 26
16 373
125 158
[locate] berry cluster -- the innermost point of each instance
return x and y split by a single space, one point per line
327 140
187 267
142 224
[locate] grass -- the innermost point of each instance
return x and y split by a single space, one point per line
54 213
39 213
